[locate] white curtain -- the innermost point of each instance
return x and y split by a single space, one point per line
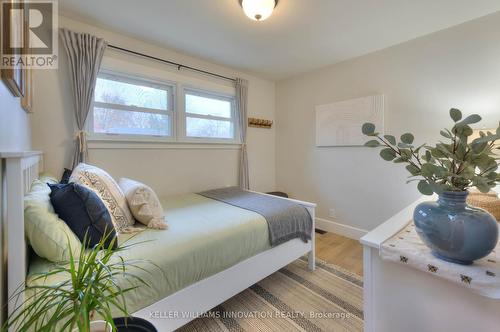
241 107
85 54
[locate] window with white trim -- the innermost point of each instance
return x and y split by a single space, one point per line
132 107
136 109
209 116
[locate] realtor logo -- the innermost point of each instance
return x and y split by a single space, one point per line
29 34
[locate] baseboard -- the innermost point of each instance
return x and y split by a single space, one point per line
341 229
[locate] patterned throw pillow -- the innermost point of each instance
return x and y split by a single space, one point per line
143 203
108 190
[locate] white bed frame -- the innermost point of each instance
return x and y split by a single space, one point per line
170 313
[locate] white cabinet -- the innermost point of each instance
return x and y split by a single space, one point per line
398 298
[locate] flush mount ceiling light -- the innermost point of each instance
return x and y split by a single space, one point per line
258 10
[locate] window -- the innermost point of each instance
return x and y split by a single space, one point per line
209 115
132 107
136 109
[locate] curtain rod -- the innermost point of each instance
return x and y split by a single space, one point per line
178 65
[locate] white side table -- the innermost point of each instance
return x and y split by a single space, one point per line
398 298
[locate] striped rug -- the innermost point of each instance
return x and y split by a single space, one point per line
292 299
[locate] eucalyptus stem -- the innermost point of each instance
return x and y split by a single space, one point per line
449 165
398 151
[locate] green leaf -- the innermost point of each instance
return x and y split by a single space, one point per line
427 170
391 139
478 147
388 154
407 138
440 171
437 188
445 134
484 162
486 139
437 153
372 144
443 151
428 156
463 130
492 175
474 118
368 128
404 145
424 188
405 154
417 150
455 114
413 170
484 188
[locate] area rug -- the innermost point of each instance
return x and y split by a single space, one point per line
292 299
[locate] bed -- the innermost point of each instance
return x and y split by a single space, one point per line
211 252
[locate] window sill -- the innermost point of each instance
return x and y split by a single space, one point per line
100 144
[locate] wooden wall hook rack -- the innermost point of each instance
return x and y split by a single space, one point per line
260 123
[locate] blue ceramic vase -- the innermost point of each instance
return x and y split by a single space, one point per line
455 231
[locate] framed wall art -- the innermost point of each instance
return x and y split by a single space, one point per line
339 123
14 33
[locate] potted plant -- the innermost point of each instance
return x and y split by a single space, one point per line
88 290
453 230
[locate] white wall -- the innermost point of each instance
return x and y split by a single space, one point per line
167 169
421 79
14 123
14 135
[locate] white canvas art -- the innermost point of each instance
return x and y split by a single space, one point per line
339 123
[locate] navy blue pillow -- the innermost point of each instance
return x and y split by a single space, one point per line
84 212
66 175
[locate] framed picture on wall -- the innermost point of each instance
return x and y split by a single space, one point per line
14 32
339 123
27 98
27 79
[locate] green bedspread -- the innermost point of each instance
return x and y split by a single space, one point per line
204 237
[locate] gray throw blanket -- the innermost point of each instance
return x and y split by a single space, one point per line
286 220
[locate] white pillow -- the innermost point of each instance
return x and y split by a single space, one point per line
100 182
143 203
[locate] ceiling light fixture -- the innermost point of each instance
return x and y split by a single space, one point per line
258 10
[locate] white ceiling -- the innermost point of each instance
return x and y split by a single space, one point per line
301 35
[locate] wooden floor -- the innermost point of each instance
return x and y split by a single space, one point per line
341 251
